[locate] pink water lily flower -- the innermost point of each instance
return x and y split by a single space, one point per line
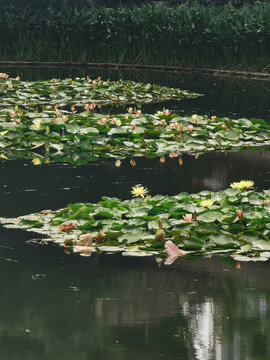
166 112
190 128
173 252
174 125
188 218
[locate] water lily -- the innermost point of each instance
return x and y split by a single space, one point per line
190 128
4 76
188 218
195 118
174 125
139 191
130 110
239 214
163 122
37 124
243 184
118 163
3 133
162 159
166 112
173 252
3 156
36 161
207 203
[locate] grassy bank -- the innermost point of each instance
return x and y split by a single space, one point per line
190 35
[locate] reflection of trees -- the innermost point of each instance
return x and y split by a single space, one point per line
115 308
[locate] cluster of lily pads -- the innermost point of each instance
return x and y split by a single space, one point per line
83 136
79 91
234 221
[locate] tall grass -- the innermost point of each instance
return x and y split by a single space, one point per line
188 34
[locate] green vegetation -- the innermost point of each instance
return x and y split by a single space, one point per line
234 221
80 91
189 34
62 136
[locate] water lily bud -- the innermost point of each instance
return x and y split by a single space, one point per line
99 238
239 214
213 118
265 202
118 122
133 127
163 122
47 129
16 108
72 108
180 161
196 156
160 235
132 162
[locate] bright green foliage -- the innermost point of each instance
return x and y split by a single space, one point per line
238 221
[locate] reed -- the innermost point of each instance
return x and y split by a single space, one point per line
189 34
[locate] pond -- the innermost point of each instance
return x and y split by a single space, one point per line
60 306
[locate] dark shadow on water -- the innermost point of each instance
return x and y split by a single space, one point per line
28 188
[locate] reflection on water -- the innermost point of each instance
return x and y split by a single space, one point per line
56 306
27 188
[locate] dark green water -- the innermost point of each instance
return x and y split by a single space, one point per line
59 306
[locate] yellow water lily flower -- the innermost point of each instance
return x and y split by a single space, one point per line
36 161
3 133
37 124
3 156
243 184
207 203
118 163
139 191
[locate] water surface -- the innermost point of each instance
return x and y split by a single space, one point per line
60 306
